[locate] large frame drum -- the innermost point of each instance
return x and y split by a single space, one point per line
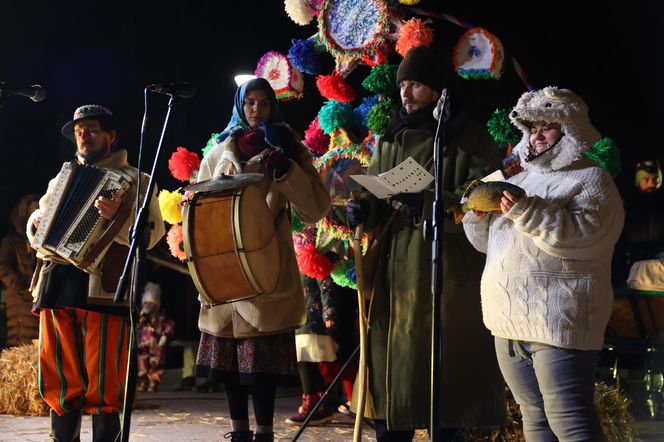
231 245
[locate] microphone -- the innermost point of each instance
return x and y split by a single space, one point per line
442 103
182 90
35 92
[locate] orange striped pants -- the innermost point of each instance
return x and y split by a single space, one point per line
82 360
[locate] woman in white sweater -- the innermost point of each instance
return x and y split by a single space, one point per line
546 291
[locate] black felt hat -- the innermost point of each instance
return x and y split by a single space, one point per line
425 65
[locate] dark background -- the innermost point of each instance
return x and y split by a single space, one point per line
107 52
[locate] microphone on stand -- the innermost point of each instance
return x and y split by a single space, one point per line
442 103
181 90
35 92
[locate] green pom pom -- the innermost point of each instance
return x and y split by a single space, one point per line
382 80
343 274
501 128
334 115
296 223
379 116
606 154
210 144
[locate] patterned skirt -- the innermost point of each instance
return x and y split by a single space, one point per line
271 356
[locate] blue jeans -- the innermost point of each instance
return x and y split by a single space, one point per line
554 388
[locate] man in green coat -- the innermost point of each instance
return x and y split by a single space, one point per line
399 361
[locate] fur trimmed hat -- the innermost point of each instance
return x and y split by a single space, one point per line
425 65
554 105
152 293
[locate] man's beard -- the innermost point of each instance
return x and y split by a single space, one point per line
94 155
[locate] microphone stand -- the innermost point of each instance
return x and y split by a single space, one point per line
134 264
435 228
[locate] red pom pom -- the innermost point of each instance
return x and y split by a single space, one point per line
313 264
315 139
333 87
183 164
175 242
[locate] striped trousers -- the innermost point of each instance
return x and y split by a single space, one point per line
82 360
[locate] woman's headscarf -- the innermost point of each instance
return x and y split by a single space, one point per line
239 123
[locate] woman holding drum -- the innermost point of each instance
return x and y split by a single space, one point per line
249 344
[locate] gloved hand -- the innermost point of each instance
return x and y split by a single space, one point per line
413 203
277 163
357 212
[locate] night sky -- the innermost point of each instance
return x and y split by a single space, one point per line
107 52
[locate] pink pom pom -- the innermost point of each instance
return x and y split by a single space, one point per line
333 87
175 242
412 34
313 264
315 139
183 164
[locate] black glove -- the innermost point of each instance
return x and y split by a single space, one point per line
277 162
357 212
413 203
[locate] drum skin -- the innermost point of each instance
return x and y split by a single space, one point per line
231 245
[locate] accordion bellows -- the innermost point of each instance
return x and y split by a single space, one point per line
71 229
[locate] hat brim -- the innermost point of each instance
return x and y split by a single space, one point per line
68 129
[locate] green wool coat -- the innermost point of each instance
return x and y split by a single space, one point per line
473 392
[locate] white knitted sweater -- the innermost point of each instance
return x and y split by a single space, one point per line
547 275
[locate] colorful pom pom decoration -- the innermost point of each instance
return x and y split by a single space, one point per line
479 55
284 78
170 206
379 116
315 139
304 56
606 154
344 274
334 115
314 264
175 242
382 80
302 11
353 30
363 109
413 33
210 143
502 130
184 164
333 87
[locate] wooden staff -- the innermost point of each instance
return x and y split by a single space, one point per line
362 371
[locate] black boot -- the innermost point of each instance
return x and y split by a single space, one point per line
240 436
105 427
65 428
264 437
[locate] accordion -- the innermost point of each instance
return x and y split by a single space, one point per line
71 229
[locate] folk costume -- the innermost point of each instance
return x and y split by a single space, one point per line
249 344
83 334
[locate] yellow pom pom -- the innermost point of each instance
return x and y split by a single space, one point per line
169 204
409 2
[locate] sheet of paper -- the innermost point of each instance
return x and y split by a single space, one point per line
407 177
494 176
374 185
